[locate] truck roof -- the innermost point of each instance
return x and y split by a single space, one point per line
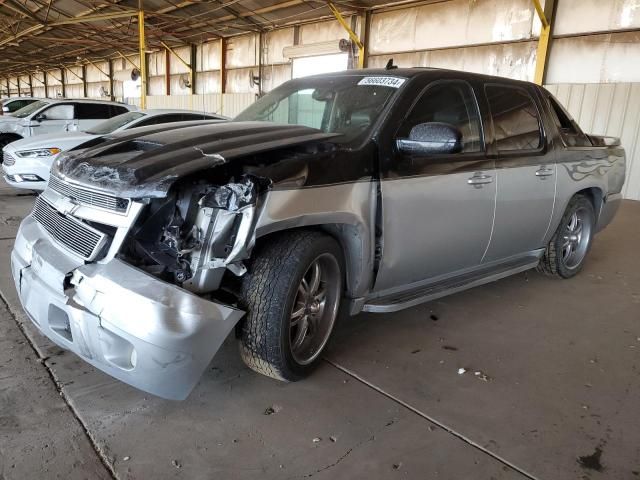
426 71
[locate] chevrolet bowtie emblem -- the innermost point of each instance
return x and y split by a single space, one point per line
67 206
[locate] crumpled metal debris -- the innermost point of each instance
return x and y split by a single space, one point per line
235 195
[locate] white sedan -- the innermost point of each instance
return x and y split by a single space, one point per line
27 162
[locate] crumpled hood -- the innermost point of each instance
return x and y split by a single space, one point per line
136 165
61 140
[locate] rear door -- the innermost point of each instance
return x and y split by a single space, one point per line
437 210
525 171
90 114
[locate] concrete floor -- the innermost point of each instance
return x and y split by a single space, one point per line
557 395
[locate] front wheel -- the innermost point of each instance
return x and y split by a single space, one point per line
568 248
292 295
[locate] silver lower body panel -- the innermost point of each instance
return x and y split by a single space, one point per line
143 331
608 210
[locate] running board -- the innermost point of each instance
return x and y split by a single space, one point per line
407 299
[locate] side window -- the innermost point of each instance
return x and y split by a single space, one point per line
176 117
59 112
145 123
93 111
452 103
117 110
160 119
570 133
516 123
17 105
191 117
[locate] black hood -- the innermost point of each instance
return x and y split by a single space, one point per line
146 164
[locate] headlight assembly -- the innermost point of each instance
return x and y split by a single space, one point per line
39 152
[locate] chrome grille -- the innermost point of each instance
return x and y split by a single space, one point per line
72 234
8 159
89 197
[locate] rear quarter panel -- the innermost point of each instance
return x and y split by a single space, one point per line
600 170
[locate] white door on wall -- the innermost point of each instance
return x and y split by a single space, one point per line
305 66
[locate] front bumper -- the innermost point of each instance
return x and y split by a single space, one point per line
40 167
145 332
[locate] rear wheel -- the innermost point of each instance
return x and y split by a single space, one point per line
292 294
568 248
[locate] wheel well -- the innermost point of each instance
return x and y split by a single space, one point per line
12 136
350 239
595 196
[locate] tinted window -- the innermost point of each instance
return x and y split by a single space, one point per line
118 110
160 119
569 131
197 116
452 103
18 104
93 111
516 124
29 109
114 123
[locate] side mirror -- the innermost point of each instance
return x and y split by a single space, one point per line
39 117
5 109
431 139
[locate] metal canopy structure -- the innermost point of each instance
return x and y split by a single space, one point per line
41 34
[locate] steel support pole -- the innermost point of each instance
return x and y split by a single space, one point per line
193 61
544 42
45 77
112 94
85 89
143 62
63 84
352 35
223 72
167 72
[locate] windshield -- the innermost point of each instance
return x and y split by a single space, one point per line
115 123
29 109
348 105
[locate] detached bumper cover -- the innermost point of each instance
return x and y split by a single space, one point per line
136 328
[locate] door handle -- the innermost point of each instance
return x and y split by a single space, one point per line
480 179
544 172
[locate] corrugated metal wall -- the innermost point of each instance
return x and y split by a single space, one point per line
228 104
608 109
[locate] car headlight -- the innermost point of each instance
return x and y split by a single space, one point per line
39 152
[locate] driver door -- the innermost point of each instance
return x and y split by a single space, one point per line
57 118
437 208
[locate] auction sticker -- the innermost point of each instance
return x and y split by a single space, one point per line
393 82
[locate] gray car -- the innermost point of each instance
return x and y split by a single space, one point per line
368 190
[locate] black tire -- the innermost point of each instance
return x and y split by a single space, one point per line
6 139
554 261
269 291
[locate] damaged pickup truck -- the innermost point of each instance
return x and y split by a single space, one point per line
369 190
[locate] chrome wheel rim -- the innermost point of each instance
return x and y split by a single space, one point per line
576 238
315 309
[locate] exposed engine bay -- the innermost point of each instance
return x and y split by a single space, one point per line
197 233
